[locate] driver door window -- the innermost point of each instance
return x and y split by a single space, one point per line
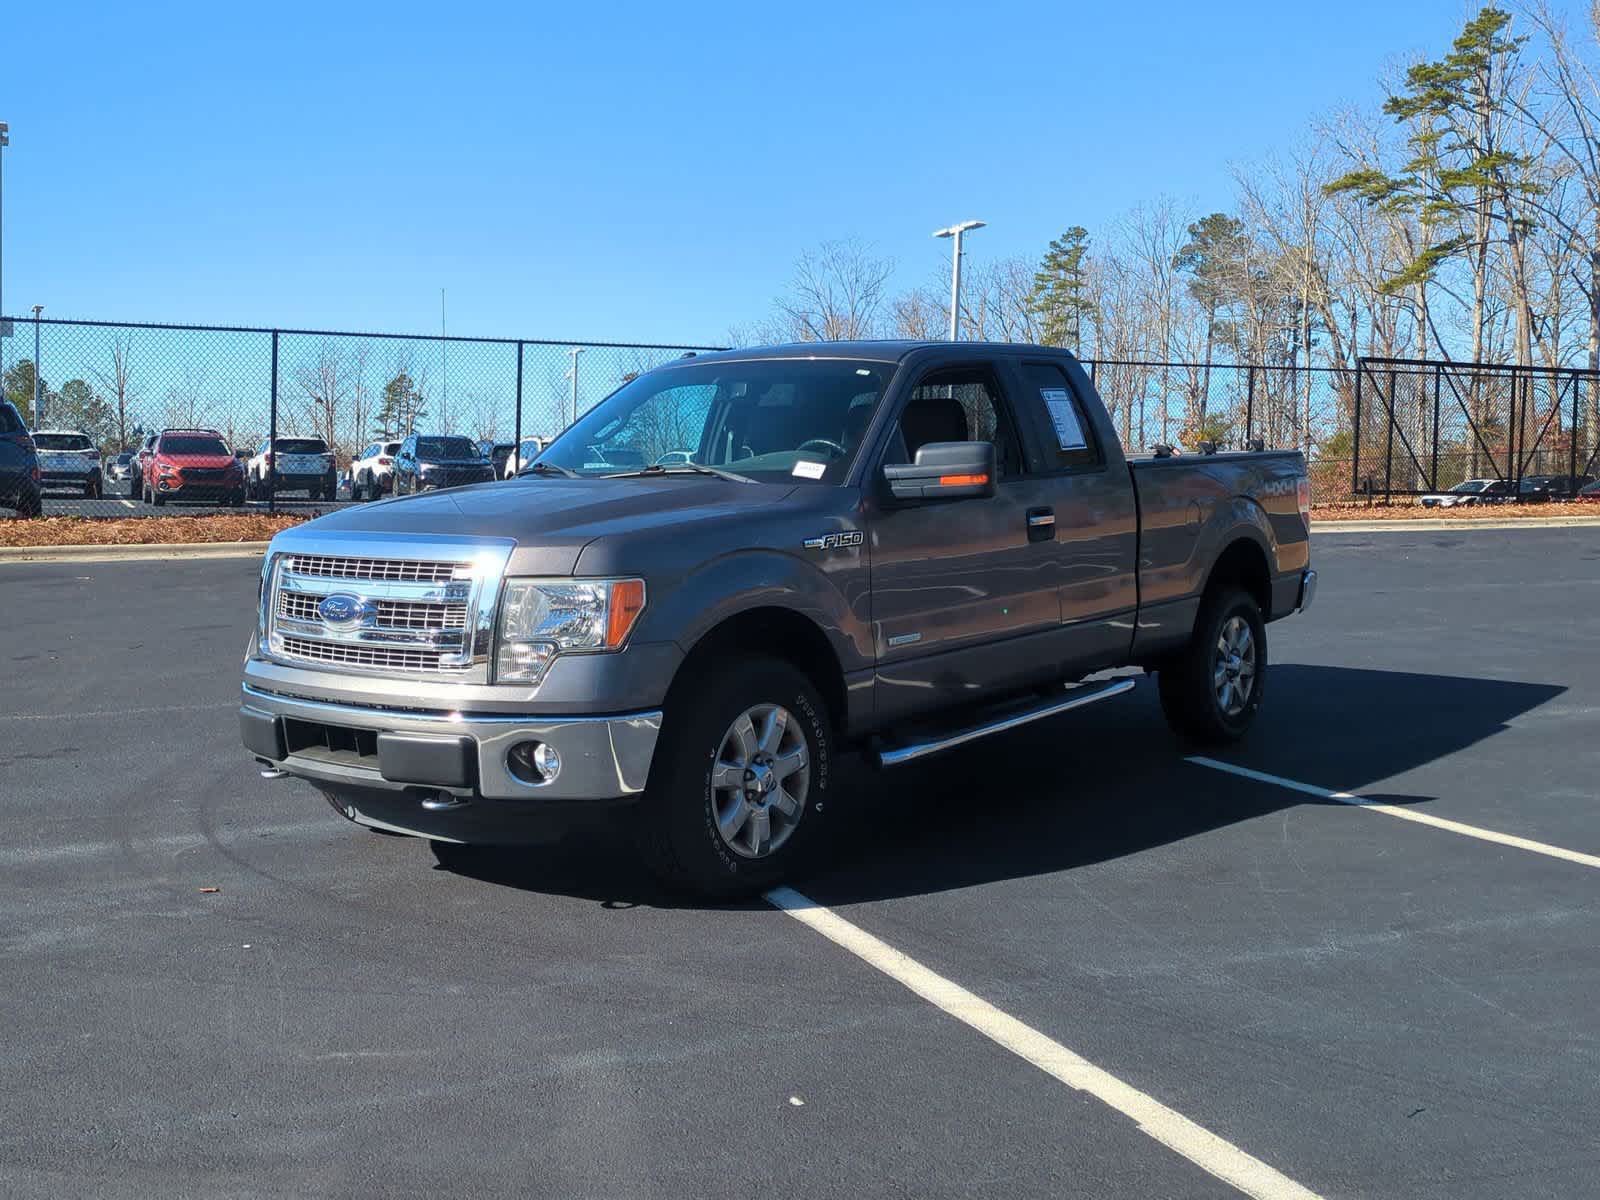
960 405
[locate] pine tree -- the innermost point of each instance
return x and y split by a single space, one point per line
1060 297
400 409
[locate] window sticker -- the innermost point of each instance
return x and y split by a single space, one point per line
1064 416
806 469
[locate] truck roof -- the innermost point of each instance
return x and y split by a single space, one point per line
887 350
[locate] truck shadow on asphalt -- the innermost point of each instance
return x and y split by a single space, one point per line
1100 784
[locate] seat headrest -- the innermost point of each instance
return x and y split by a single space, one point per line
933 419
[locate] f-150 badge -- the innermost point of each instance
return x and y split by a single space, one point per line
836 541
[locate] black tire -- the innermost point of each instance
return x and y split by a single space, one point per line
30 504
135 488
677 832
157 498
1187 681
91 489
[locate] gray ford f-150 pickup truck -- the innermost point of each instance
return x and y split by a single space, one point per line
740 564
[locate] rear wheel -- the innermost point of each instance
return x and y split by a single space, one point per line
1212 689
29 503
91 489
737 793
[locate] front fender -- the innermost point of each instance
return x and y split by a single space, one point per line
831 593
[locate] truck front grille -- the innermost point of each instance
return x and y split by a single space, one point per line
398 570
363 656
429 615
392 614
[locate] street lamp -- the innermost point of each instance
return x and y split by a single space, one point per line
575 351
38 379
5 140
955 231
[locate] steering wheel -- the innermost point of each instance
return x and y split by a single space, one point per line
833 449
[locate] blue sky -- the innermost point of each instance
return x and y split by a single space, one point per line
617 171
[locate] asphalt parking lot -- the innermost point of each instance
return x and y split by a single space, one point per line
1369 1005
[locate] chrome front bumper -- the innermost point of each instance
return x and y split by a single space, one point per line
1308 589
462 754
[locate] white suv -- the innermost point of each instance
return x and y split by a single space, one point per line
372 473
293 464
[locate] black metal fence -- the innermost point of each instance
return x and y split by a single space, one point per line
1381 427
1424 426
118 381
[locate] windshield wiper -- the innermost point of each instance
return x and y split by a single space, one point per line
681 469
546 468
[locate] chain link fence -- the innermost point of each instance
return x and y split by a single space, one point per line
1281 407
1425 426
118 382
1383 426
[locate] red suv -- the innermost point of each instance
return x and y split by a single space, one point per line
192 464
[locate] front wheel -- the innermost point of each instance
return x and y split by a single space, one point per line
737 794
1211 690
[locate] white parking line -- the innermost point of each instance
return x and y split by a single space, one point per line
1172 1129
1406 814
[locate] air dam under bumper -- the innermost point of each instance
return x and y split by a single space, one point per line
417 755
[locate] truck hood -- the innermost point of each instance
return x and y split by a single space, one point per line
551 520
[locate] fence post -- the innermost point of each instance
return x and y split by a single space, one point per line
1249 403
272 435
1572 439
1388 444
1432 482
518 437
1355 437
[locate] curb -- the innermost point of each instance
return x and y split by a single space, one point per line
155 552
1403 525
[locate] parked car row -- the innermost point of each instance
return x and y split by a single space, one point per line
198 465
1534 489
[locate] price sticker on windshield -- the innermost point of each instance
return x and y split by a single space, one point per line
806 469
1064 416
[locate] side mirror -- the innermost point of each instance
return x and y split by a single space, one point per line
944 471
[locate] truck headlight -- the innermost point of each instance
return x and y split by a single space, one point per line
542 618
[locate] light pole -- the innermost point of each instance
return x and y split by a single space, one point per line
955 231
38 378
5 140
575 351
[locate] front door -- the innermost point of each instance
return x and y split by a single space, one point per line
966 594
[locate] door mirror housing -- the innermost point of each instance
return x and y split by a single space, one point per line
943 471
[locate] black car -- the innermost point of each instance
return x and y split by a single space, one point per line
19 464
1539 488
427 462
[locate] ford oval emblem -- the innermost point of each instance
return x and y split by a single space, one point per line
341 608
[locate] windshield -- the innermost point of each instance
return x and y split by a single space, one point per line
193 445
1471 485
62 441
770 420
302 446
446 447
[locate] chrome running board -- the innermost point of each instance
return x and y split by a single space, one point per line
1077 699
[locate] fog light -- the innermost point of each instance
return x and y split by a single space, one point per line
534 763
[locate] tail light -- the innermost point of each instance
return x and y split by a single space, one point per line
384 460
1303 493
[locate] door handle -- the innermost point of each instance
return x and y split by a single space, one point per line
1041 524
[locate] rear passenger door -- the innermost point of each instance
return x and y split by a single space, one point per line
966 594
1097 516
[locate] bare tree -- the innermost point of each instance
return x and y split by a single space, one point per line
119 382
837 294
325 385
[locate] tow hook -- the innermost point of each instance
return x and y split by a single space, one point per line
441 801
